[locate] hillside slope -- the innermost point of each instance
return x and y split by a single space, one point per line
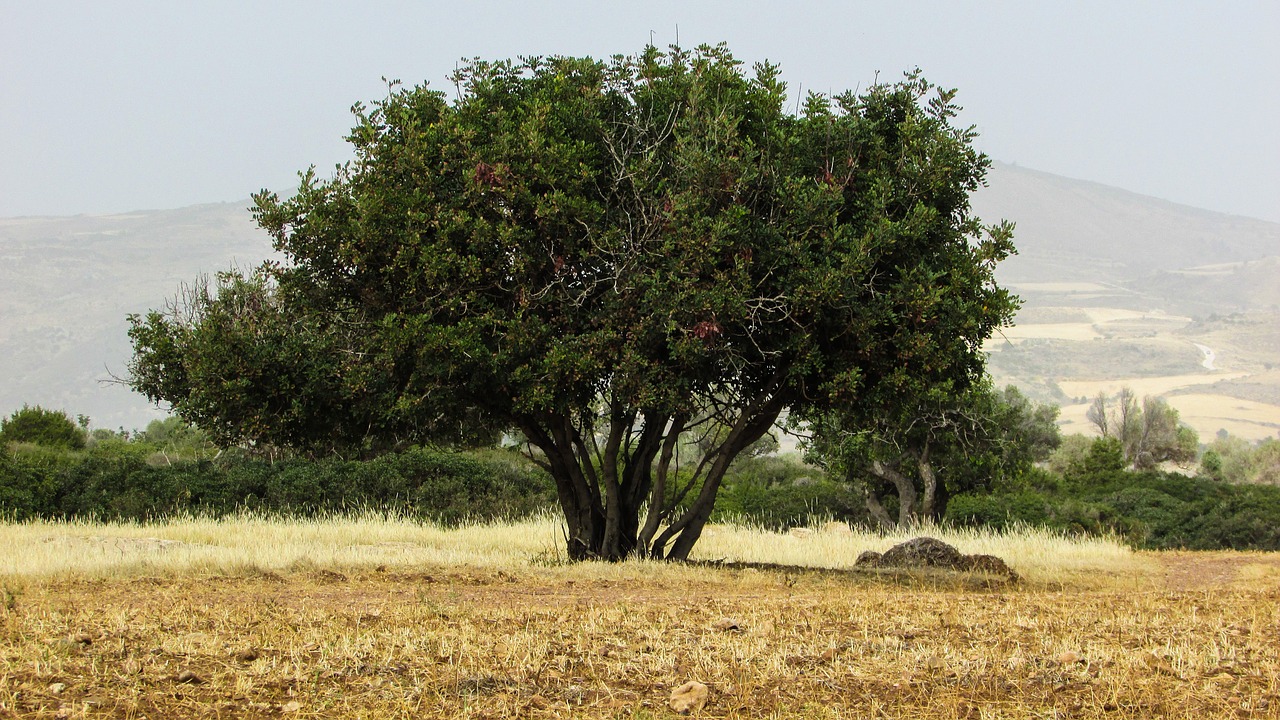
67 285
1125 290
1078 231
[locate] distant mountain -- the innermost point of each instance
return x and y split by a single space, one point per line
1124 290
1074 230
67 283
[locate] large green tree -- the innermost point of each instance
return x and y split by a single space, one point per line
605 258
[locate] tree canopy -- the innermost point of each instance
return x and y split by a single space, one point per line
606 258
36 425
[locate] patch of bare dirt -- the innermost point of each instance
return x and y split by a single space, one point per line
1196 570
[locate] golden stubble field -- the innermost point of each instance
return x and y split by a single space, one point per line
366 618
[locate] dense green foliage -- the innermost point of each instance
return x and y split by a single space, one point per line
38 426
1231 459
1157 510
603 257
781 492
169 469
123 481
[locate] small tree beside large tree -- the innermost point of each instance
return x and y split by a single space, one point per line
936 442
605 258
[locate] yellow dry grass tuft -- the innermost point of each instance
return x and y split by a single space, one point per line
249 543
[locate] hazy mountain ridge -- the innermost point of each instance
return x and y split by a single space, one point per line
67 284
1076 230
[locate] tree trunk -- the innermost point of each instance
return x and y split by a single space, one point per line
878 513
930 482
601 490
749 427
906 491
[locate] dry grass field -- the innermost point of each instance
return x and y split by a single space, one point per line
375 617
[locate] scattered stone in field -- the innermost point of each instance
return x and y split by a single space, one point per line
801 532
73 643
1159 664
57 688
324 576
246 655
574 694
989 564
729 625
868 558
837 528
1069 657
931 552
190 678
292 706
689 697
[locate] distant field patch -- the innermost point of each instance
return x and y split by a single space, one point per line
1050 331
1110 315
1112 362
1203 270
1142 385
1043 315
1244 418
1060 287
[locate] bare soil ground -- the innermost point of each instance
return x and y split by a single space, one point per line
1203 641
1209 571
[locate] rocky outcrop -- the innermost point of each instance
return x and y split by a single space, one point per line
927 552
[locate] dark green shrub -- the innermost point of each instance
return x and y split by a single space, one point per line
48 428
29 481
114 480
1027 507
1104 464
780 492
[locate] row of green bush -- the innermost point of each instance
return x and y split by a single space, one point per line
1152 510
116 480
113 481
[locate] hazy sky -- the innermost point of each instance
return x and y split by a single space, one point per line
116 106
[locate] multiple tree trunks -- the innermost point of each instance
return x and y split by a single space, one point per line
605 480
